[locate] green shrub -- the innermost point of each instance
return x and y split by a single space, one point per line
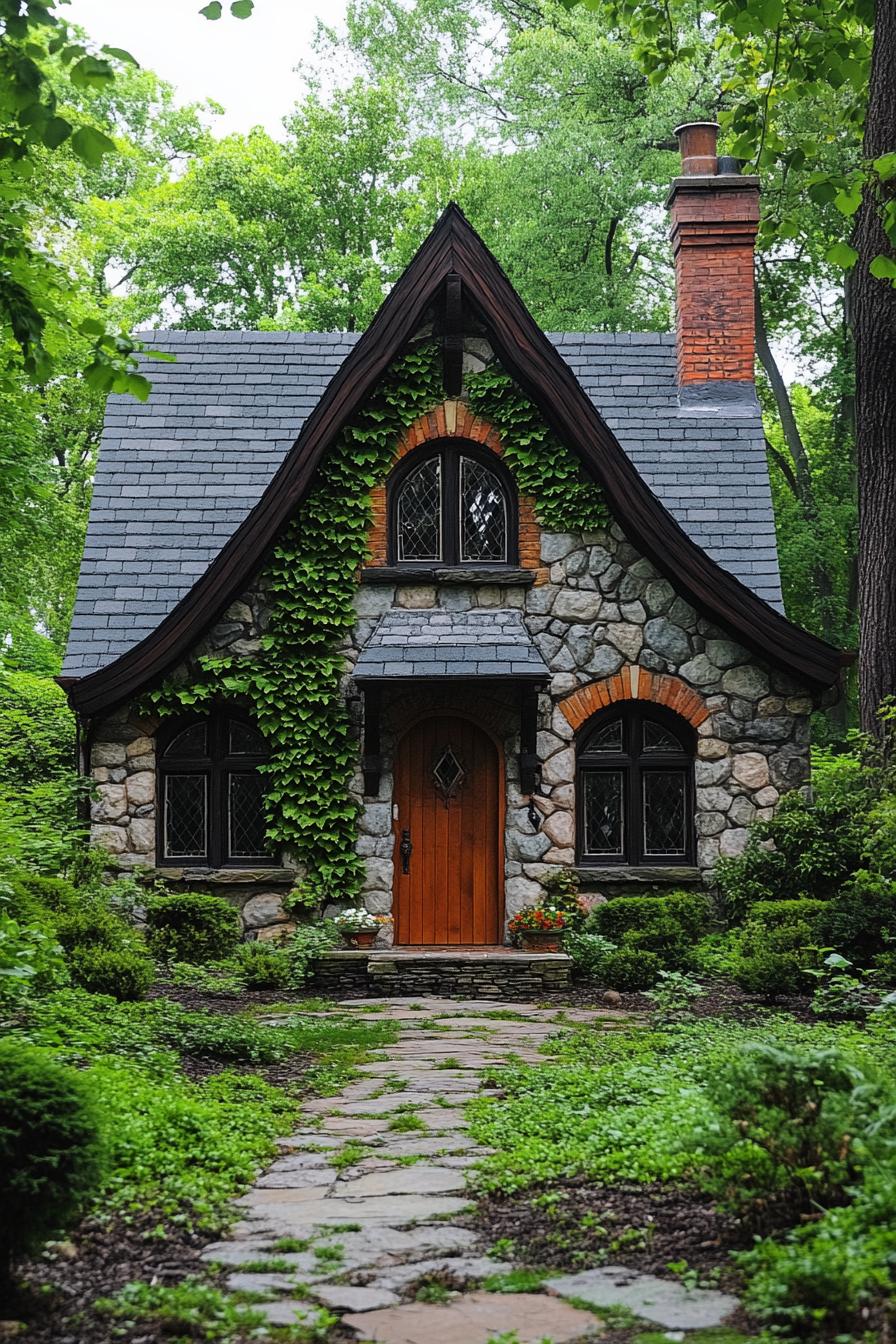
50 1151
772 914
561 888
772 961
588 951
667 926
229 1038
122 972
816 844
34 896
91 926
630 969
191 926
792 1117
308 942
834 1278
31 959
861 920
262 965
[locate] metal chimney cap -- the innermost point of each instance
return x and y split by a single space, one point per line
688 125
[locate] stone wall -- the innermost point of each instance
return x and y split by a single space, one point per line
521 976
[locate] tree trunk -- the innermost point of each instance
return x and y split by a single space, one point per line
874 315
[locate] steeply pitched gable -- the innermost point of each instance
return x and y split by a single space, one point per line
454 250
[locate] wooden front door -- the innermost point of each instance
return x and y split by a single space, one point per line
447 791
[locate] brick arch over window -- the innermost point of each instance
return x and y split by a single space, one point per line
635 683
453 420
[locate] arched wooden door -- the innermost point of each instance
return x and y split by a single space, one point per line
447 791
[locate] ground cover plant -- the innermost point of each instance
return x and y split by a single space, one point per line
779 1132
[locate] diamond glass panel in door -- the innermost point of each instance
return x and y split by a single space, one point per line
665 812
245 740
420 513
245 811
483 513
606 738
186 816
657 738
602 812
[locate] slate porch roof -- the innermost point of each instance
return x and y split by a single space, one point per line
178 474
415 644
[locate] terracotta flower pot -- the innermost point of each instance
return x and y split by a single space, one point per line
359 937
541 940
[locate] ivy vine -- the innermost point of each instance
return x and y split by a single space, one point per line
295 685
538 462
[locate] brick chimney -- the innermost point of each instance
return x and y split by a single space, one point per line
715 216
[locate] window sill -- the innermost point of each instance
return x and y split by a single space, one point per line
227 877
672 874
505 578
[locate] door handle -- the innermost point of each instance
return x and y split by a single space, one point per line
406 849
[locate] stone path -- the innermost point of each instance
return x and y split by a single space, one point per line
357 1214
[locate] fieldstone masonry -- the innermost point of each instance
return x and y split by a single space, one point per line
602 617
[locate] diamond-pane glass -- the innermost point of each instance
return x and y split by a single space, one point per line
190 743
246 816
448 773
420 513
664 812
245 740
657 738
602 812
186 816
483 513
606 738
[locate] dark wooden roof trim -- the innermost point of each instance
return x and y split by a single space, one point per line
454 251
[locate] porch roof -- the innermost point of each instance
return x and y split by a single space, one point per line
452 644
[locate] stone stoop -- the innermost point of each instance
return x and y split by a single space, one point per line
484 973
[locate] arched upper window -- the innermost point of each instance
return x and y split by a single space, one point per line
635 787
452 505
211 794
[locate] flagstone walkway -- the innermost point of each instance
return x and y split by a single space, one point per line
359 1209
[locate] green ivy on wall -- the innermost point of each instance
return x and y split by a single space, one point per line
539 463
295 685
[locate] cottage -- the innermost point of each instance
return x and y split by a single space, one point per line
419 617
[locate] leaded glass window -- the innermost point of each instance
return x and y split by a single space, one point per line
420 513
603 812
211 793
483 513
453 507
635 787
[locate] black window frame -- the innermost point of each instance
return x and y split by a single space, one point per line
633 763
450 451
216 766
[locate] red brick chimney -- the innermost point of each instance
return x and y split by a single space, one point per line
715 216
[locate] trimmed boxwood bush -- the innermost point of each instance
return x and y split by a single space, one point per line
772 961
262 965
630 969
50 1151
122 972
33 896
669 927
90 927
191 926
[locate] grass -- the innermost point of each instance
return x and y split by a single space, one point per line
451 1062
351 1152
516 1281
407 1122
197 1310
291 1245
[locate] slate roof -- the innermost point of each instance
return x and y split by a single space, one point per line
493 643
177 474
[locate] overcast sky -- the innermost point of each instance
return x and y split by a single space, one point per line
246 65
